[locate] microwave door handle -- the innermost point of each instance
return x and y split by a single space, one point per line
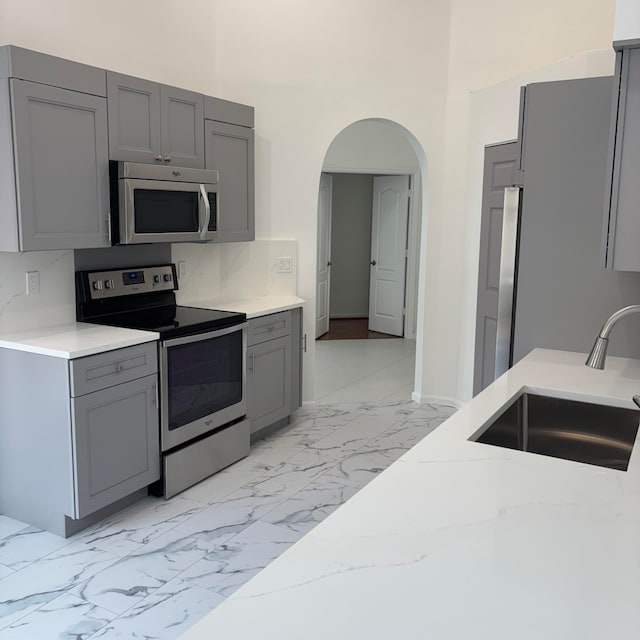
207 213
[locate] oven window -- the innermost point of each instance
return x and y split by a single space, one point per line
159 211
203 377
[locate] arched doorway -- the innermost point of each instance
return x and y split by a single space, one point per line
365 153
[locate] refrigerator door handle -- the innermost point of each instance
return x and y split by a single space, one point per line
507 279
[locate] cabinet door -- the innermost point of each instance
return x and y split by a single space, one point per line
134 119
62 167
116 443
268 382
624 218
182 119
230 150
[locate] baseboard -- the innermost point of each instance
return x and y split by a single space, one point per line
346 316
309 403
452 402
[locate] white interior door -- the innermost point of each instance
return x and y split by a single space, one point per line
323 279
388 254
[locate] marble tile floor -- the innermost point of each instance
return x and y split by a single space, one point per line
154 569
364 370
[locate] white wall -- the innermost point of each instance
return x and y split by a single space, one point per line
294 61
414 63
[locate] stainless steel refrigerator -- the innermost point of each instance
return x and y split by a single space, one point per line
541 258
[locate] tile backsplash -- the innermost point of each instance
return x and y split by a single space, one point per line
234 270
55 304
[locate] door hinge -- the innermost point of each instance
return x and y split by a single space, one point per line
404 311
304 343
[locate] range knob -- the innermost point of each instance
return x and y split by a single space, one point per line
167 277
97 285
156 278
109 284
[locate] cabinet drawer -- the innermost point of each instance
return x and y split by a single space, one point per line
275 325
112 367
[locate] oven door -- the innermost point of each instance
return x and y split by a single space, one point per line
166 211
203 382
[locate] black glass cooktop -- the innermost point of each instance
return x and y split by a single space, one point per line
174 321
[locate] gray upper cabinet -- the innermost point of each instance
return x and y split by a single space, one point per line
134 119
622 211
58 173
150 122
230 150
54 172
182 122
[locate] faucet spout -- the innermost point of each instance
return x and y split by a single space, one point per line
598 353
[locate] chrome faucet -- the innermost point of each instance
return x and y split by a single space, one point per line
599 350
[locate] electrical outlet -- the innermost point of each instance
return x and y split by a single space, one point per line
33 282
182 269
284 265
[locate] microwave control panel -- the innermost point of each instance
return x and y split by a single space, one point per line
125 282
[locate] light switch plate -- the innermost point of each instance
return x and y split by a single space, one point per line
284 265
182 268
33 282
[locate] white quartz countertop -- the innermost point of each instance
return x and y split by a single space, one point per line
253 307
459 539
75 339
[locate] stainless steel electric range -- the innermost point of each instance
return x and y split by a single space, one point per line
202 367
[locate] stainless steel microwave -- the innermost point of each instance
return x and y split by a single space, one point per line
163 204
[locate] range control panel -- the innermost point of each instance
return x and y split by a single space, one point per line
124 282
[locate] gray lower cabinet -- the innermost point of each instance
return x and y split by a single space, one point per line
269 382
622 215
78 438
273 368
115 443
229 149
155 123
54 172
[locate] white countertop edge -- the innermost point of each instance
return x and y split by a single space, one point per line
253 307
75 340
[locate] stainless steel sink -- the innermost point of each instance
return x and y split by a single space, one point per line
579 431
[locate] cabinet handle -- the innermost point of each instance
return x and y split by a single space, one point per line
155 395
118 367
107 224
159 158
251 363
167 159
271 327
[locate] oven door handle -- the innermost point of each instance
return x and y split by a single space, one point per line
198 337
207 213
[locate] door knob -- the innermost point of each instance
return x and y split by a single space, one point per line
373 263
328 263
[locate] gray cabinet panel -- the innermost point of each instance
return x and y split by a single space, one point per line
182 124
296 359
230 150
116 443
269 327
16 62
62 173
226 111
623 211
134 118
269 382
102 370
